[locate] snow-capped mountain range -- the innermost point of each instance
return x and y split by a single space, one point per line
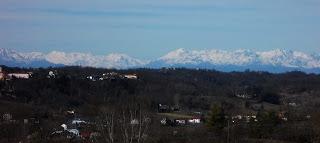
239 60
55 58
273 61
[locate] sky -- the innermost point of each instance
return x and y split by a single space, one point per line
148 29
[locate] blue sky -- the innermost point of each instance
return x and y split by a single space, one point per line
149 28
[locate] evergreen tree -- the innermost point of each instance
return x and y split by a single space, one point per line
216 119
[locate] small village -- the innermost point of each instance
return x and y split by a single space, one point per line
112 76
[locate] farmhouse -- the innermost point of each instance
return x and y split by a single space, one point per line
131 76
19 75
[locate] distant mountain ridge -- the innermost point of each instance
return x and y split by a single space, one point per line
273 61
15 59
56 58
243 57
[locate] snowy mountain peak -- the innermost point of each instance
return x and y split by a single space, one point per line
115 60
175 54
219 57
182 56
8 54
117 56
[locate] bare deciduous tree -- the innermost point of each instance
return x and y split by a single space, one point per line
106 125
128 126
134 125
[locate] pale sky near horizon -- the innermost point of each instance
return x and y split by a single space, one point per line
151 28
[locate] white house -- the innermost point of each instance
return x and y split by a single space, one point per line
194 121
131 76
19 75
180 121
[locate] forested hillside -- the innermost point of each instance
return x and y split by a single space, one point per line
283 107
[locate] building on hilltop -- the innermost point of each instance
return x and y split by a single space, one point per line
131 76
8 76
19 75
